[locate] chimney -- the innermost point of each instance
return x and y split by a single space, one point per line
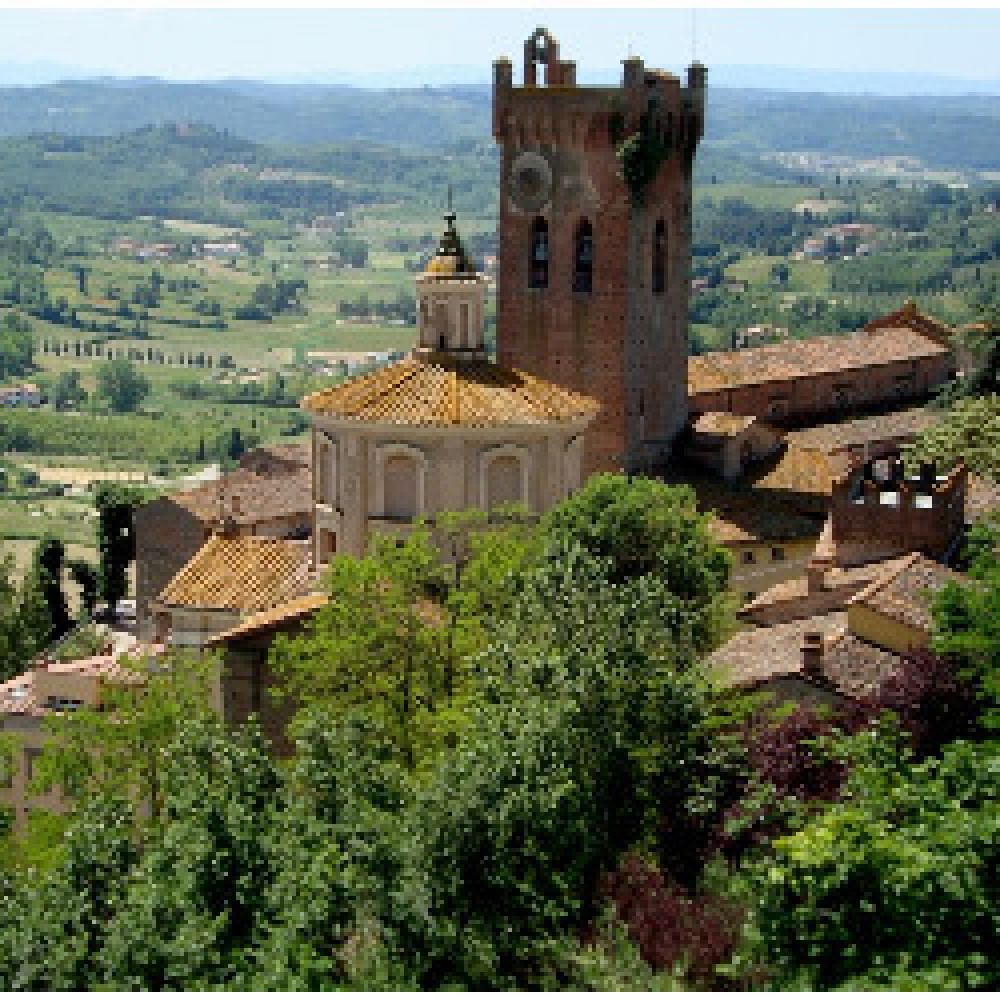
816 574
812 655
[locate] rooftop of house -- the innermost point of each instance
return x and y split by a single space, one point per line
247 574
759 654
796 359
18 696
856 667
904 593
742 515
835 579
248 498
438 390
716 423
288 613
804 471
851 665
911 317
859 431
294 452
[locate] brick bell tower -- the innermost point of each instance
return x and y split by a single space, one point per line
594 242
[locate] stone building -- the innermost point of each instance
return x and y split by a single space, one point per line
228 579
172 528
443 430
893 361
593 280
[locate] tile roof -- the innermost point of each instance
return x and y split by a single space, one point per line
856 667
436 390
793 470
17 695
298 452
851 665
726 424
912 318
249 498
758 654
904 593
746 515
284 614
859 431
244 573
849 581
793 359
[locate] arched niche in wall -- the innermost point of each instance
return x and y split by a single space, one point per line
400 473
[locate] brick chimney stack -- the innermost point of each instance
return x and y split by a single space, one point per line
812 655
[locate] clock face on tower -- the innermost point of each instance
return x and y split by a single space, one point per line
530 182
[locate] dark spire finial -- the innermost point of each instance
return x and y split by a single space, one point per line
450 215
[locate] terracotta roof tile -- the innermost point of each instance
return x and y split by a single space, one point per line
900 425
794 359
847 582
759 654
725 424
284 614
248 498
793 470
435 390
296 452
243 573
746 515
856 667
904 594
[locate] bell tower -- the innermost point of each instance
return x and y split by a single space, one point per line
594 241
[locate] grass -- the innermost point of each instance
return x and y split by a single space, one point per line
770 196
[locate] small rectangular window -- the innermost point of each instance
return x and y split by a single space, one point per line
777 554
748 556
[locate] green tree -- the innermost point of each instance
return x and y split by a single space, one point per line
121 385
894 887
67 391
115 506
49 560
645 528
969 430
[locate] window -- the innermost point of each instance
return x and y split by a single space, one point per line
777 554
749 595
503 481
659 257
748 557
583 258
539 263
401 488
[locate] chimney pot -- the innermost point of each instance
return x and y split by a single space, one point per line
812 655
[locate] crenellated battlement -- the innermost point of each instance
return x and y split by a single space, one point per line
877 507
549 106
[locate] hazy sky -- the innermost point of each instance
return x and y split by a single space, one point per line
187 43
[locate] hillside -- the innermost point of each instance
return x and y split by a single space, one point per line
941 131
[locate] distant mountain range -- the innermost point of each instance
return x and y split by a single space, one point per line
953 131
830 81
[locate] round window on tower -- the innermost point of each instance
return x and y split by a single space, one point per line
530 182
